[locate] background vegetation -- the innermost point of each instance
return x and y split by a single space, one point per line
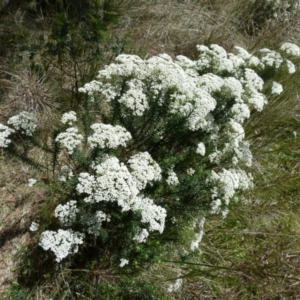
51 48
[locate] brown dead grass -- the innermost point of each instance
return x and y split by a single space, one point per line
176 28
18 202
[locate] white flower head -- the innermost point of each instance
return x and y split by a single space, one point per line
290 49
69 118
271 58
144 169
172 178
67 213
34 226
113 183
25 121
201 149
216 206
5 132
141 236
291 67
276 88
123 262
108 136
61 243
70 139
31 181
190 171
240 112
135 99
152 214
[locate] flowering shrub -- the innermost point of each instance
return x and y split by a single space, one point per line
160 141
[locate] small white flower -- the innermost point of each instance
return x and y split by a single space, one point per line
31 181
201 149
291 67
69 117
172 178
190 171
25 121
34 226
276 88
4 134
123 262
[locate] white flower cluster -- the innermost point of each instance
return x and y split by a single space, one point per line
113 182
271 58
152 214
190 171
5 132
25 121
62 242
69 118
274 59
236 146
250 59
134 98
108 136
67 213
70 139
226 183
189 100
290 49
141 236
216 59
172 178
144 169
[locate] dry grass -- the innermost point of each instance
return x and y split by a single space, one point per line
175 27
18 204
